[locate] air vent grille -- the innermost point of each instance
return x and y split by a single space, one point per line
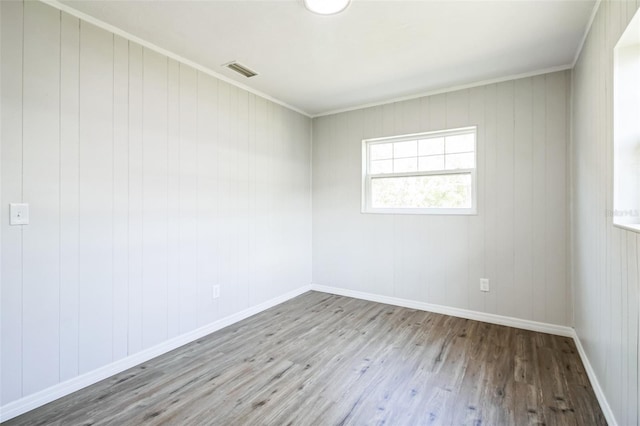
241 69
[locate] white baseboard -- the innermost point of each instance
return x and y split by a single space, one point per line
595 384
30 402
542 327
45 396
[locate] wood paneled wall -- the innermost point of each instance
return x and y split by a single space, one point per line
148 182
605 258
519 237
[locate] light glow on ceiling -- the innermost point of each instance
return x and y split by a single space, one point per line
326 7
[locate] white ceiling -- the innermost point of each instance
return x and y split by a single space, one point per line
372 52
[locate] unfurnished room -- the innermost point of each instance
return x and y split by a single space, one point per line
320 212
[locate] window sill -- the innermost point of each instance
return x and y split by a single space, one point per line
428 212
635 227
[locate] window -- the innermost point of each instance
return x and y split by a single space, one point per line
427 173
626 167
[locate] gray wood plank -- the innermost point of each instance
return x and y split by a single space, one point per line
325 359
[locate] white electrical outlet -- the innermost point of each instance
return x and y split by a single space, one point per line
19 214
216 291
484 284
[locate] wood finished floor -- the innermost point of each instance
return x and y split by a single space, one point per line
328 360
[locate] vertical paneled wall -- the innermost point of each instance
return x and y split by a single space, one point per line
518 239
606 259
148 182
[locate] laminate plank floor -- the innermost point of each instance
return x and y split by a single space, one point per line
321 359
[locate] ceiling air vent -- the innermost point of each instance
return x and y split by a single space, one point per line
241 69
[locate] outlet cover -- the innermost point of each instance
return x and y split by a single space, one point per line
216 291
19 214
484 284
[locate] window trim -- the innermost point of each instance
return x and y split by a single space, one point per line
626 203
367 178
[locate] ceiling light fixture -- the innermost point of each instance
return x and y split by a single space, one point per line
326 7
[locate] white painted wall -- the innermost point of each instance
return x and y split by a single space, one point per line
149 182
605 258
519 239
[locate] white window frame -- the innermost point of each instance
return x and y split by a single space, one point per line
367 178
626 129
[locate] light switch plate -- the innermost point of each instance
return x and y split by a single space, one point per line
19 214
216 291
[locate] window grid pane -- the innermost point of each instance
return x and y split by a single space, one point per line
405 165
459 143
431 146
402 164
381 166
459 161
431 163
405 149
381 151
